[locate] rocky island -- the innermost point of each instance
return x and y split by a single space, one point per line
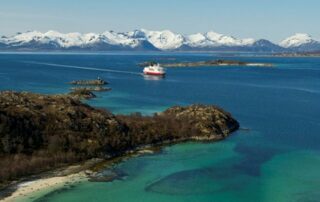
42 132
94 82
209 63
85 88
86 92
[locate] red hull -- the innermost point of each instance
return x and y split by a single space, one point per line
154 73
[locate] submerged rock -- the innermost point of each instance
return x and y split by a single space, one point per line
107 175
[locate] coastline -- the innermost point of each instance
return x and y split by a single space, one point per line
209 63
43 186
106 139
52 180
49 180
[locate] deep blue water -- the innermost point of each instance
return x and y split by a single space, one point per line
277 159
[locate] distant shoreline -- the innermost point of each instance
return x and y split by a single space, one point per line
296 55
210 63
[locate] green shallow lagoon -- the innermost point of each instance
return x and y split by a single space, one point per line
161 176
276 159
292 176
204 172
177 175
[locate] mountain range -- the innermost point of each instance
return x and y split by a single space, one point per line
145 40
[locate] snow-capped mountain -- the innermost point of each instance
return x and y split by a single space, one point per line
301 42
296 40
53 39
150 40
163 40
213 39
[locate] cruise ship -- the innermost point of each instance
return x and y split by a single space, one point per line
155 70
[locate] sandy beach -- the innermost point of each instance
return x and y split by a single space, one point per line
30 188
73 174
48 181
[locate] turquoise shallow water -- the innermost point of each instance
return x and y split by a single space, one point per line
276 160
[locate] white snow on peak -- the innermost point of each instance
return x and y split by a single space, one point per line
164 40
71 39
115 38
52 33
90 38
198 39
25 37
64 40
296 40
228 40
211 39
138 33
248 41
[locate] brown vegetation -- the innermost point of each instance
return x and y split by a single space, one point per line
81 93
39 132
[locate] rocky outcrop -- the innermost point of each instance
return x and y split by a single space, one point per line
82 93
40 132
212 122
86 92
97 81
94 88
85 88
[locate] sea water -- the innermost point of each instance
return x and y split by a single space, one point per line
276 157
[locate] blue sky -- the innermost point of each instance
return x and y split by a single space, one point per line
271 19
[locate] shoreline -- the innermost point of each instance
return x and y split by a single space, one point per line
29 188
210 63
55 178
52 180
106 138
